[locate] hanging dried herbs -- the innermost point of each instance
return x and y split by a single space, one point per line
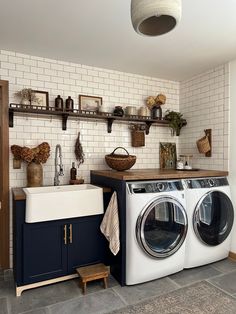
79 154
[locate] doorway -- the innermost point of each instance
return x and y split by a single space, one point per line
4 175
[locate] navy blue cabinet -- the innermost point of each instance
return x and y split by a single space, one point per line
52 249
45 251
86 243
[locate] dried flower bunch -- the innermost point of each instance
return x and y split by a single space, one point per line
27 94
152 101
37 154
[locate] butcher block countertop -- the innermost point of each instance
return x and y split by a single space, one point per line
157 174
18 194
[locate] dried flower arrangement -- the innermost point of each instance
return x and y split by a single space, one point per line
26 94
153 102
38 154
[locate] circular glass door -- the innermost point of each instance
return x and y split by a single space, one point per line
213 218
161 227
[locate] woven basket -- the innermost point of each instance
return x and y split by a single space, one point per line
120 162
137 138
203 145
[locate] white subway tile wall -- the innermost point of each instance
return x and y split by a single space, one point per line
69 79
204 101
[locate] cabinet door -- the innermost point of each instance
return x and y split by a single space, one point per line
87 242
45 251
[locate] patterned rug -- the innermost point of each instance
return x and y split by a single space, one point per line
199 298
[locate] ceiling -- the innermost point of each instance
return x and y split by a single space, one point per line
99 33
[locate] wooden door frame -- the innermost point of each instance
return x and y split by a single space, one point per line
4 177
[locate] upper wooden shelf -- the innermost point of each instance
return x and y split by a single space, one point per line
16 108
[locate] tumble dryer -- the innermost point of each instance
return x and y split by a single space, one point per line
156 227
210 214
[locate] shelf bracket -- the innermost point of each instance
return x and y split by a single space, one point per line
11 118
109 125
64 121
148 125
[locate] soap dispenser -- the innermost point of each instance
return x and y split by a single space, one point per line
73 172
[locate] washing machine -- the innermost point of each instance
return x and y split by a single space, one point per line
156 227
210 217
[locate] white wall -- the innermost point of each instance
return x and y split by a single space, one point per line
69 79
232 154
204 101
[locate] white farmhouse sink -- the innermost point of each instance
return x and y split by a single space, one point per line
64 201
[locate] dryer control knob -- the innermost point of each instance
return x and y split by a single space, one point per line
161 187
211 182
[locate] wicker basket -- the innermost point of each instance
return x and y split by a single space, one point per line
203 145
137 138
120 162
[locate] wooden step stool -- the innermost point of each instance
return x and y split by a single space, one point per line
93 272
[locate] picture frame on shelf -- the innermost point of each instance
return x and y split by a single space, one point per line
90 103
42 99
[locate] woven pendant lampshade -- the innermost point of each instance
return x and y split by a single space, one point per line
155 17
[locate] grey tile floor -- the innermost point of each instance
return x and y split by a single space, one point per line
66 297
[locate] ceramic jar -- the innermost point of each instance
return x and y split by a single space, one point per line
118 111
34 174
131 111
144 112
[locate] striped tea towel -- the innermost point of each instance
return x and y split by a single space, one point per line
110 225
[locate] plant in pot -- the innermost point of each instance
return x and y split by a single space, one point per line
176 121
35 157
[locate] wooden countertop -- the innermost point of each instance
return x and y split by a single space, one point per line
18 194
156 174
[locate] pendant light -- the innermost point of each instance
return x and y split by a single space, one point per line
155 17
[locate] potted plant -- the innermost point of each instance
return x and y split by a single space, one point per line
175 120
34 157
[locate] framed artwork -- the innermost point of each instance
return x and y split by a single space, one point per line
42 99
90 103
167 155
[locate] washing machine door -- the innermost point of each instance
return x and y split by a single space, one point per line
161 227
213 218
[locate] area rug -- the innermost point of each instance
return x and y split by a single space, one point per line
199 298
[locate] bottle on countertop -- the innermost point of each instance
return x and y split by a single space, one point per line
69 104
73 172
58 103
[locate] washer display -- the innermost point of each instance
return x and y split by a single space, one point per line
156 227
211 215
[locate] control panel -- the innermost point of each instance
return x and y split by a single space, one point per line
206 183
155 186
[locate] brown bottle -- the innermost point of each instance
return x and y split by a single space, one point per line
69 104
58 103
73 172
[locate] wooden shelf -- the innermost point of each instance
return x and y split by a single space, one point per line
19 108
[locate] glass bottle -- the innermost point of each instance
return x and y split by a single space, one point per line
69 104
73 172
58 103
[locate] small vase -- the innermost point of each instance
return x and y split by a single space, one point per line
34 174
118 111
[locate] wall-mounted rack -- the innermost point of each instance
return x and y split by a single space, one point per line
20 108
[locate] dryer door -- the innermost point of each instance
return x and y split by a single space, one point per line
213 218
161 227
